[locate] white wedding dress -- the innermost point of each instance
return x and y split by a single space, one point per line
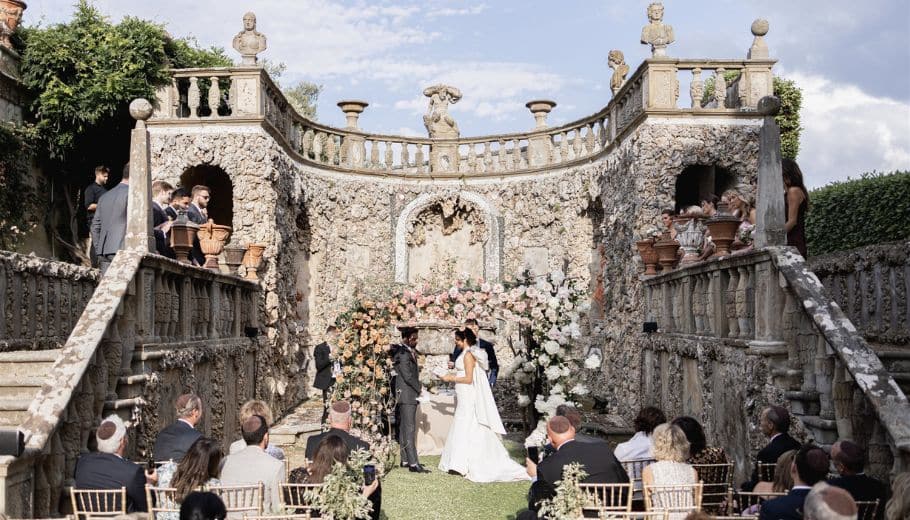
473 447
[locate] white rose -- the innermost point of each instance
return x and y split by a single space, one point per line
551 347
557 389
523 401
592 362
579 389
553 373
543 359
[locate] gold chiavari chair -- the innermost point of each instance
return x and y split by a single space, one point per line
161 500
683 498
716 480
293 496
606 497
634 515
765 471
246 499
91 503
739 501
633 468
867 509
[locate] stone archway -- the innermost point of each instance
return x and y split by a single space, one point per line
699 181
221 189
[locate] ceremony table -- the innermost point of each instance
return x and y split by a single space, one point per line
434 418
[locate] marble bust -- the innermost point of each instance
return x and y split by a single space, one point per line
657 34
249 42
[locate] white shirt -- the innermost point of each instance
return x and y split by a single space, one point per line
638 447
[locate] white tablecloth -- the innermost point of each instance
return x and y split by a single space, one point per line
434 418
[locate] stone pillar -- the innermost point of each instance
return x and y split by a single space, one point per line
540 146
139 235
660 84
352 146
770 217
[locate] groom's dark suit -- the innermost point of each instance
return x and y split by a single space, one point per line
407 388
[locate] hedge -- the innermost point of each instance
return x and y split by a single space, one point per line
870 210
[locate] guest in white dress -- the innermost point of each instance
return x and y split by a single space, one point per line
639 446
671 449
474 448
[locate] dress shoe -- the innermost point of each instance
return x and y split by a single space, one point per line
417 468
404 465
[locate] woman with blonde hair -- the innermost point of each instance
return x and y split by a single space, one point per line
249 409
898 507
671 449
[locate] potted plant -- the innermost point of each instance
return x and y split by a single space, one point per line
211 239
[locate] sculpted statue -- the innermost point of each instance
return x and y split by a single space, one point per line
10 16
438 121
617 61
249 42
657 34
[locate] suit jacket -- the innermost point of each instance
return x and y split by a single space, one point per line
109 222
770 453
789 507
108 471
170 212
323 379
597 459
160 216
251 466
864 488
195 216
174 441
491 353
350 441
407 381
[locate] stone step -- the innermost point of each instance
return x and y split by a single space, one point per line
18 392
27 363
29 356
13 417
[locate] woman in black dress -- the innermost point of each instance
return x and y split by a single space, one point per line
796 203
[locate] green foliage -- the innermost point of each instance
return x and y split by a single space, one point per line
858 212
185 53
567 503
303 95
16 215
340 497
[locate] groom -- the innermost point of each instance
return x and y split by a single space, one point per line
407 388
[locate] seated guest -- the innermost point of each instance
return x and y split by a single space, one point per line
639 446
825 502
596 459
699 452
809 467
574 417
202 506
849 460
898 507
107 469
253 465
671 449
340 421
200 466
774 423
249 409
331 450
783 479
173 441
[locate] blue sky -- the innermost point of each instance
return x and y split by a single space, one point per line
852 59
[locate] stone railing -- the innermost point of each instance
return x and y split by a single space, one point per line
40 300
149 315
871 284
768 306
244 95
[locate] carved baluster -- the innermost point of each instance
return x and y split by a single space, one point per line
344 153
604 134
577 144
500 163
389 156
361 156
696 88
307 144
214 96
507 158
330 149
698 305
418 158
743 291
563 147
720 87
319 147
405 156
732 286
192 97
516 154
589 139
472 158
374 154
487 157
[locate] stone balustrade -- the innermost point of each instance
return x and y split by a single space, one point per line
40 300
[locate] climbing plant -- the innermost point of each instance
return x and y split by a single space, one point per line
16 193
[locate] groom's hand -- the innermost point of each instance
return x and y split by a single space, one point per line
531 468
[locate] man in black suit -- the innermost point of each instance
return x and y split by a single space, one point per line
90 197
197 213
809 466
180 201
487 347
174 441
850 460
596 458
407 389
109 222
107 469
161 195
775 424
326 368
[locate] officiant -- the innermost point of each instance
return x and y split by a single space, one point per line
487 347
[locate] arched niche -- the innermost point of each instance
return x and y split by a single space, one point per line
699 182
221 190
483 227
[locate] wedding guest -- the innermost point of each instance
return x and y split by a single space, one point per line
180 202
407 388
574 417
639 446
199 467
340 421
666 217
699 451
253 465
898 508
109 222
247 410
197 212
774 422
487 347
739 206
849 461
200 505
796 204
90 197
671 449
332 450
783 479
327 369
161 196
826 502
173 441
709 206
809 467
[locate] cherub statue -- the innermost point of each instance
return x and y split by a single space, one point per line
617 61
249 42
657 34
438 121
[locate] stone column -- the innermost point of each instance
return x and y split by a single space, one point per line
352 147
770 217
540 146
660 84
139 235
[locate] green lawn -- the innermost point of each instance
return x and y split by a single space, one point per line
440 496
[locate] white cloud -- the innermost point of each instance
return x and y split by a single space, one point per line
847 131
456 11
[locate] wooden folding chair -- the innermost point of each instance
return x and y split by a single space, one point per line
606 497
673 499
716 480
98 502
867 509
246 499
161 500
293 497
739 501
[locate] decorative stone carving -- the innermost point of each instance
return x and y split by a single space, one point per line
759 48
617 61
439 123
448 215
249 42
10 16
696 88
720 87
657 34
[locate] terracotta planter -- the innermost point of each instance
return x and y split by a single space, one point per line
233 257
183 233
11 12
252 259
648 255
666 249
723 233
211 239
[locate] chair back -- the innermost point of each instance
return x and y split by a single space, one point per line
98 502
294 496
606 497
305 516
867 509
716 480
765 470
246 499
739 501
633 468
161 500
633 515
682 498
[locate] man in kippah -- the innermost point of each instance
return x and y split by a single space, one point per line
174 441
107 469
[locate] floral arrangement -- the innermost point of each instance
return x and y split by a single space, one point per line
744 234
567 503
340 497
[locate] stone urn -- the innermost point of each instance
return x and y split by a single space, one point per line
666 249
11 14
648 255
723 227
233 257
252 259
211 239
690 233
183 234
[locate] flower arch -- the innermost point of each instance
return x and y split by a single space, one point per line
547 308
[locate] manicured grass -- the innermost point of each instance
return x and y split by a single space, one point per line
439 496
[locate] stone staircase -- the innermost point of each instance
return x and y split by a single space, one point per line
897 362
21 376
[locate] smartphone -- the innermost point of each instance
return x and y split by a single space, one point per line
369 474
534 454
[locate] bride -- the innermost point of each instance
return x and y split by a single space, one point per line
473 447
